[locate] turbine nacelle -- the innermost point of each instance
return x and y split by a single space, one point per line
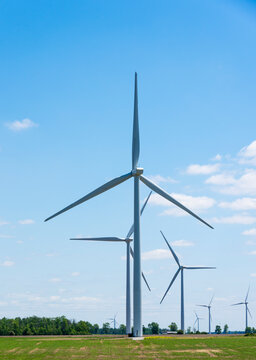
137 172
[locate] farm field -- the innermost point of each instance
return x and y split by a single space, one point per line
96 348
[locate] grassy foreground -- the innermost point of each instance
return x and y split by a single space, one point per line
89 348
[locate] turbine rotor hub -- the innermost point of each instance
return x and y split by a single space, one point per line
137 172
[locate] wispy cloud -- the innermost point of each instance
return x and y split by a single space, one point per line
247 154
55 280
240 204
156 254
252 252
3 222
26 222
75 273
21 125
8 263
182 243
196 169
194 203
161 179
250 232
4 236
218 157
235 219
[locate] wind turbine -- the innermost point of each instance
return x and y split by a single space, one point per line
245 302
113 320
197 321
136 173
181 269
209 312
129 251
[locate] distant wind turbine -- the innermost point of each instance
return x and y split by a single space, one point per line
245 302
129 251
209 312
197 321
181 269
136 173
113 320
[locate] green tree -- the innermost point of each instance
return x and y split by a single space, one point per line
225 330
154 328
106 328
218 329
173 326
122 329
189 331
248 330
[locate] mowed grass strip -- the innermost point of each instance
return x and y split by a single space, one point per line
222 347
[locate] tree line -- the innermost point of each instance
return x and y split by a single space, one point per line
35 325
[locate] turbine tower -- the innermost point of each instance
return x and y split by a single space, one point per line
129 252
136 173
209 313
197 321
181 269
247 311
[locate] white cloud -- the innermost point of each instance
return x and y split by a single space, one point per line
54 298
3 236
253 275
54 280
249 232
156 254
21 125
198 204
161 179
3 222
218 157
250 242
240 204
182 243
19 242
244 185
196 169
50 255
75 273
248 154
235 219
221 179
8 263
209 289
82 299
252 252
26 222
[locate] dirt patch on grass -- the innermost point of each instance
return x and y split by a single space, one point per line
12 350
36 350
210 352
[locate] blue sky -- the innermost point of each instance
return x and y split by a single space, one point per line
66 75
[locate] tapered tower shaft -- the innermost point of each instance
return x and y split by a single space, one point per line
209 311
128 289
137 329
182 302
246 316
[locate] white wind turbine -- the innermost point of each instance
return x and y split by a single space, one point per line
136 173
197 321
245 302
181 269
209 313
129 251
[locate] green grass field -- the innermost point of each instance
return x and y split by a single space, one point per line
92 348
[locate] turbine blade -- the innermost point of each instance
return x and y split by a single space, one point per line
202 305
168 197
211 300
249 312
195 323
130 232
145 280
172 251
247 294
143 276
198 267
109 185
135 136
237 304
114 239
173 279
